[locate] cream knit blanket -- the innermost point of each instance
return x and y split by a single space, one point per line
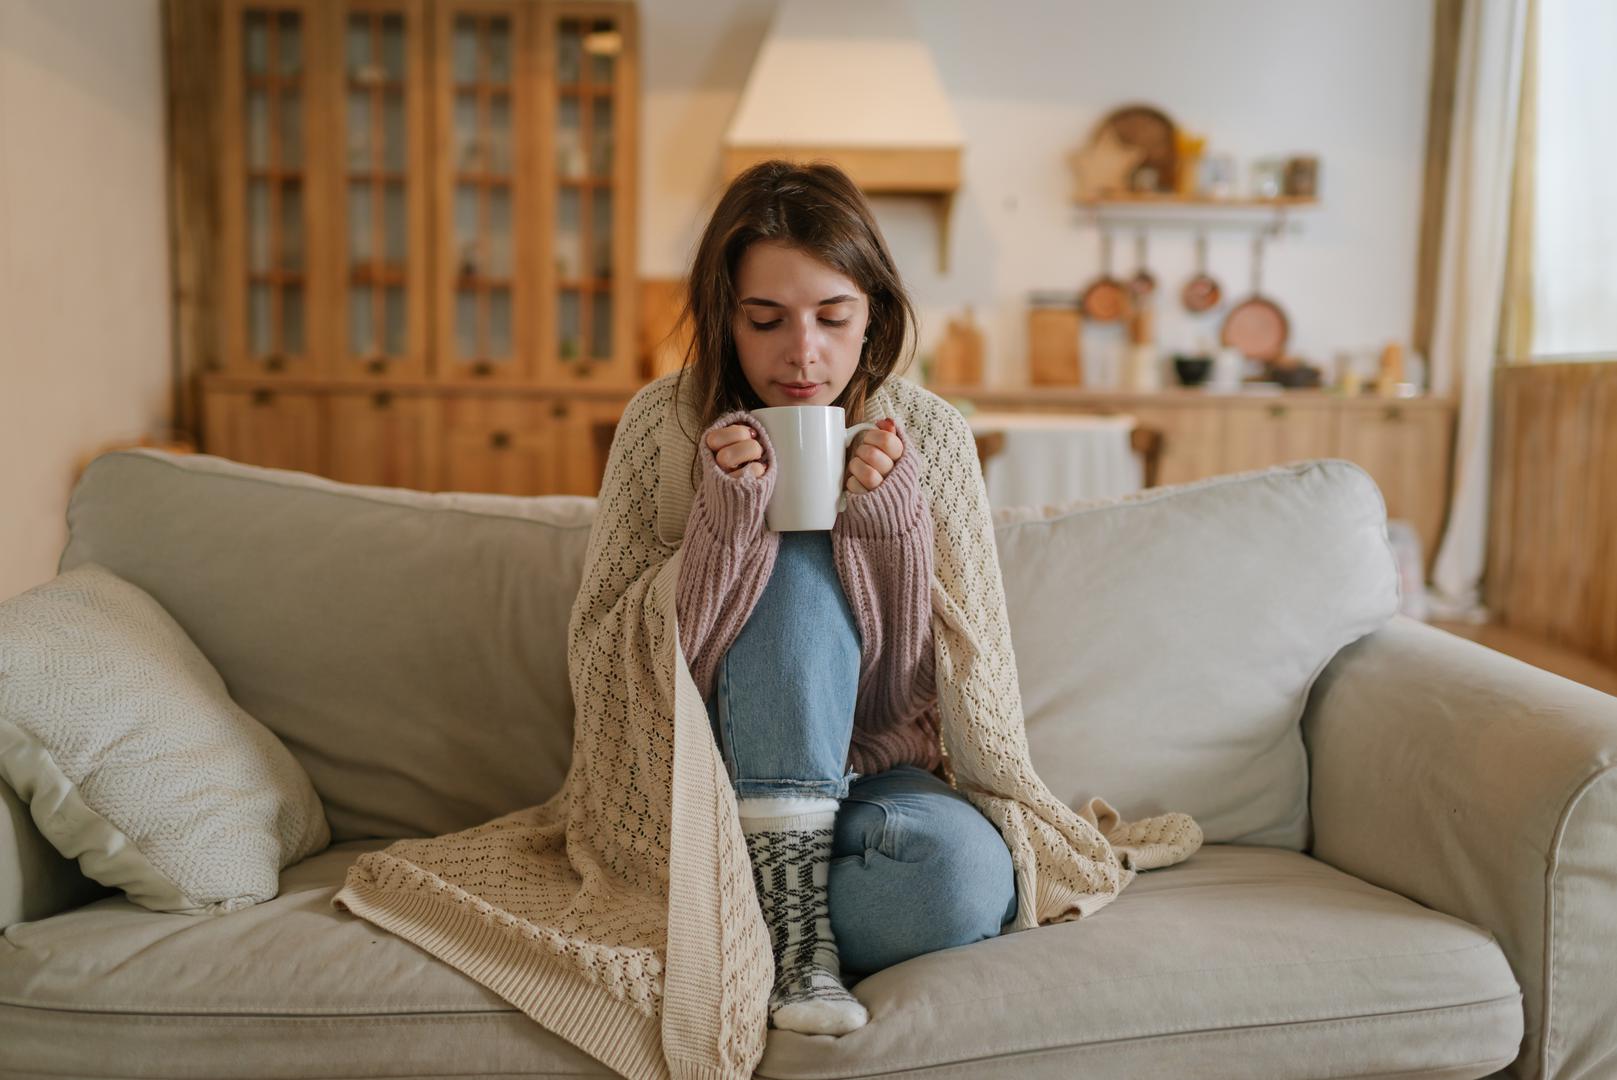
620 914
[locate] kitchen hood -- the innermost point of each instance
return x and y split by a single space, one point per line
851 81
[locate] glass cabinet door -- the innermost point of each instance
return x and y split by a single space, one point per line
588 273
381 209
272 189
485 191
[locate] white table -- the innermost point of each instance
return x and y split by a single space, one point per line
1058 458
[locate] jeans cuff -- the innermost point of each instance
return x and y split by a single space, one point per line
831 789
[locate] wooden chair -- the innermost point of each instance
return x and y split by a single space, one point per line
1145 441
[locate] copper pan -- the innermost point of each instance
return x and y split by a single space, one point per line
1105 299
1256 325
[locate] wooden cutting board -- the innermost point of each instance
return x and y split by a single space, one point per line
958 359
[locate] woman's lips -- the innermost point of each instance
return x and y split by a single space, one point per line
799 390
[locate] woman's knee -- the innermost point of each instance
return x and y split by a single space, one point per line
937 887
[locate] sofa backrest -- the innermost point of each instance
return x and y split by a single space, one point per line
410 648
1166 643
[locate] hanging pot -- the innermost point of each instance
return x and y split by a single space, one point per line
1106 299
1142 284
1202 292
1256 325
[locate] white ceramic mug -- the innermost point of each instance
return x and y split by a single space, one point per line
811 455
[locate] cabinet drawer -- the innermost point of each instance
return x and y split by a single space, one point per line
502 446
279 429
1264 433
383 437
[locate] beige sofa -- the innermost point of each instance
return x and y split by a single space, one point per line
1412 877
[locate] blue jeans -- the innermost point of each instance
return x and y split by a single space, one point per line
915 867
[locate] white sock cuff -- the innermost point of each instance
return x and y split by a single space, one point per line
790 806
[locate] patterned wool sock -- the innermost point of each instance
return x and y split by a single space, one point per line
789 840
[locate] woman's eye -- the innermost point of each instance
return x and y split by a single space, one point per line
772 325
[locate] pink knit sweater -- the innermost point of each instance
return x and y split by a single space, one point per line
882 545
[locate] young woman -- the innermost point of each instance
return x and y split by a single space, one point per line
848 738
813 650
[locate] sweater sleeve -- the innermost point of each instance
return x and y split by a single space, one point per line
883 548
728 556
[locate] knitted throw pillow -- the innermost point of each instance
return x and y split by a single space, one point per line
122 739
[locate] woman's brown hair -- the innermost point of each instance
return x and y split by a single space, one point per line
818 210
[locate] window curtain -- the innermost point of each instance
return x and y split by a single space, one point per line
1474 254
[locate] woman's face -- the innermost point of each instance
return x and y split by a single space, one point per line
798 327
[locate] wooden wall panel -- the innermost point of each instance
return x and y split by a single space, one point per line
1552 546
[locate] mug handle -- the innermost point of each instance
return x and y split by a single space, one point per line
847 440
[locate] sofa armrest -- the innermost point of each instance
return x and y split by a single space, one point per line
36 882
1482 787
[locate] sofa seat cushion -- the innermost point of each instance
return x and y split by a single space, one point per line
287 988
1307 970
1243 961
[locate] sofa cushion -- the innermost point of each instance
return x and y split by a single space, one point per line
1244 961
132 757
317 992
409 648
1166 642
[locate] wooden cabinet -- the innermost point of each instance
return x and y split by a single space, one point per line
421 200
1407 450
1405 444
1192 441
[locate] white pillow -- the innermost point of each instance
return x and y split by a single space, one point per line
1166 642
122 739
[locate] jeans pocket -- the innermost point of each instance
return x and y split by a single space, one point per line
875 820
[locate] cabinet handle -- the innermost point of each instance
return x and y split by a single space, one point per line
482 367
274 363
1392 412
559 409
500 440
377 366
383 399
583 369
1277 411
263 397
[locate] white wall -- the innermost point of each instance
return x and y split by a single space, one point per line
84 323
1343 79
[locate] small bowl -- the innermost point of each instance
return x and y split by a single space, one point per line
1192 370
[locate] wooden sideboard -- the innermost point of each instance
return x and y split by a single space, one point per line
536 440
418 433
1406 444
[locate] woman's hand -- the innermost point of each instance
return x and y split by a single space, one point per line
737 450
875 452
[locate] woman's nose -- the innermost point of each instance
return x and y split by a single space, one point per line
805 338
